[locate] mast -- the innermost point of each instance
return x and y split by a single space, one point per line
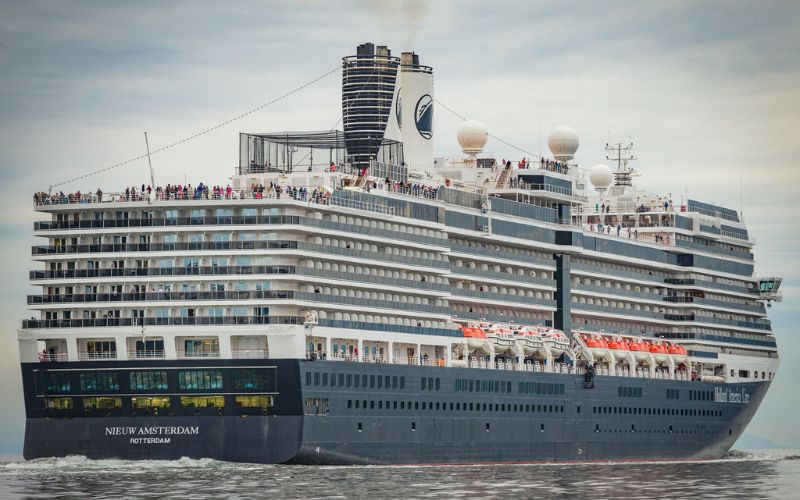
622 154
152 177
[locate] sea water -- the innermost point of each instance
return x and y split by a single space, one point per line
751 474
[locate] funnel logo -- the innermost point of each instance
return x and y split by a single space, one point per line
398 108
423 115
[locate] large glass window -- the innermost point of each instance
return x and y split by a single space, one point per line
143 402
101 349
149 381
215 312
254 401
202 401
151 348
192 380
58 403
201 348
254 380
53 383
99 381
102 403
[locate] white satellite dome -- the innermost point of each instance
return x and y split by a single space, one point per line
601 177
472 137
563 142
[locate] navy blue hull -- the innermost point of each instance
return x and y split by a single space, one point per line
322 415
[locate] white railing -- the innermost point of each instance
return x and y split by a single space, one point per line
94 355
198 354
145 354
250 354
46 357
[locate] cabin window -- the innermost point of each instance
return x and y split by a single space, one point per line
54 383
200 380
99 381
202 401
58 403
252 401
148 381
143 402
102 403
254 379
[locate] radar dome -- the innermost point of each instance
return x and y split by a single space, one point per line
472 137
563 142
601 177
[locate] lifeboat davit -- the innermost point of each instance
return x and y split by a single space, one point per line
678 353
475 337
530 340
659 352
501 336
597 346
639 350
619 348
557 342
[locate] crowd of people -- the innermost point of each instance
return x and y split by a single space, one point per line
630 232
317 195
411 188
544 164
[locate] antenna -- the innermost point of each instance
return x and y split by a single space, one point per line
741 196
152 178
622 154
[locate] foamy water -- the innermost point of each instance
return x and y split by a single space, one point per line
753 474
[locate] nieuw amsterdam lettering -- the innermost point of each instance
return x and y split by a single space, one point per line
152 431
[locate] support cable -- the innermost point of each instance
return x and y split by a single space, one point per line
440 103
202 132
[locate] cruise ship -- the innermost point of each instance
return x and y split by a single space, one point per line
349 298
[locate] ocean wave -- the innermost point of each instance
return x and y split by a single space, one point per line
80 462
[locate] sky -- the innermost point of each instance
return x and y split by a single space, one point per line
709 92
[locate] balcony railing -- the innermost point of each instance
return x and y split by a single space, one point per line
198 354
158 296
235 296
237 221
96 355
179 321
146 354
250 354
350 253
47 357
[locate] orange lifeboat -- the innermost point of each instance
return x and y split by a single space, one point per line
475 333
678 353
591 342
476 337
659 351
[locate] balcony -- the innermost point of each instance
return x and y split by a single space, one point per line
250 354
96 355
146 354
